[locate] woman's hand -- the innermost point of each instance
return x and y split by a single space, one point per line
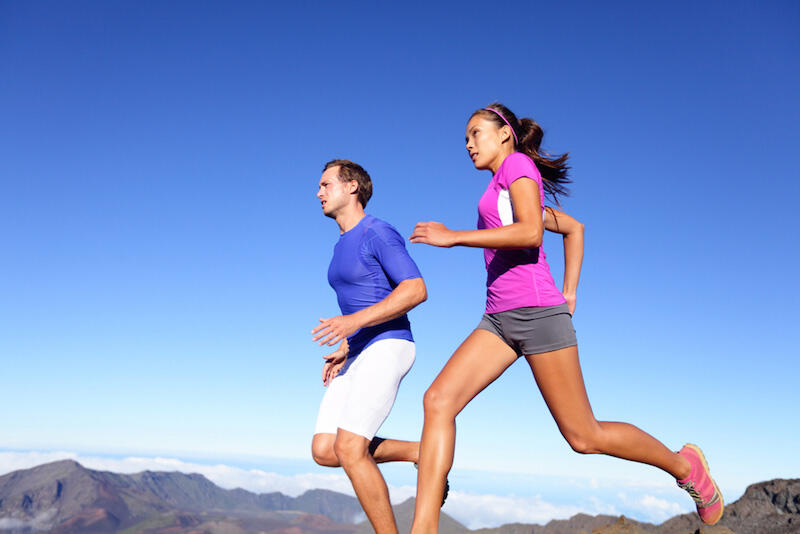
433 233
572 300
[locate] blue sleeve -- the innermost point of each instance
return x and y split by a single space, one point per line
389 248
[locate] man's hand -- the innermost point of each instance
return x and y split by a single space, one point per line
334 363
331 331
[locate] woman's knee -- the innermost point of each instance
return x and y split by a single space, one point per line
437 403
584 441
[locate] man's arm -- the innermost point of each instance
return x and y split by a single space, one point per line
408 294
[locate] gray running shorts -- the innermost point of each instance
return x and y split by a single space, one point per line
533 329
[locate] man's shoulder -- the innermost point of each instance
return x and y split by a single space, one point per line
380 227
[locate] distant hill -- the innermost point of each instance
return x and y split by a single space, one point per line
765 508
66 498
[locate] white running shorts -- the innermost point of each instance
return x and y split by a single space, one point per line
360 397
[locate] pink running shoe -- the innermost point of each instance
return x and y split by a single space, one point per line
701 486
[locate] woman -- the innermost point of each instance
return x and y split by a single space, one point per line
527 316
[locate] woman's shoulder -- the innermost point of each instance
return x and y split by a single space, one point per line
519 158
517 165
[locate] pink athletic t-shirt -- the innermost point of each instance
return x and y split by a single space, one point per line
515 278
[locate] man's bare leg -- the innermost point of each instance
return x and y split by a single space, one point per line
354 456
382 450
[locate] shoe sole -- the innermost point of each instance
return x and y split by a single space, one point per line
702 457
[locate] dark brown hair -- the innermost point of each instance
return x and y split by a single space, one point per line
353 171
529 134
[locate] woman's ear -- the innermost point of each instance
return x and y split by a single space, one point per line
506 133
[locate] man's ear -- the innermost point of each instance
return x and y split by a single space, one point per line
352 187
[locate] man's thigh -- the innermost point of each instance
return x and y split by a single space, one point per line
375 377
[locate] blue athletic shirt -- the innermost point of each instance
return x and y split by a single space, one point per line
369 261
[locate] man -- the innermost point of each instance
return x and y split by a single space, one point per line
376 284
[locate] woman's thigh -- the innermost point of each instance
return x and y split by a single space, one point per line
560 380
478 362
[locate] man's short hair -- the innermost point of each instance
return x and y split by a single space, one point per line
348 171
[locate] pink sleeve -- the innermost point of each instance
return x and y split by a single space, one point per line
516 166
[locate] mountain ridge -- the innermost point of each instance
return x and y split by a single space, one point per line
65 497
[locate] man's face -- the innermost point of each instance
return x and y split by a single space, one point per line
333 194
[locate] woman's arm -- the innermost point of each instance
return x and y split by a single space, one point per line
525 232
559 222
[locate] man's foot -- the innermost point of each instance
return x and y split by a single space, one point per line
701 486
446 486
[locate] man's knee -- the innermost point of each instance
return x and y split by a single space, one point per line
350 448
322 450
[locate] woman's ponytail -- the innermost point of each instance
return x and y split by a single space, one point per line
529 134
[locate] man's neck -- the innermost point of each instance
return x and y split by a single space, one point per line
349 218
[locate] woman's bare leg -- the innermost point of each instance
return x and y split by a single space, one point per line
558 375
480 359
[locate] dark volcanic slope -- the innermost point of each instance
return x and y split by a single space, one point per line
49 494
765 508
66 493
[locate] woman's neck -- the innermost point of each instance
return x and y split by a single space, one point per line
499 161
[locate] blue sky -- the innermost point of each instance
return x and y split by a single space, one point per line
164 255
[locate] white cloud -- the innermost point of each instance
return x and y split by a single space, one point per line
43 521
662 507
654 509
478 511
602 507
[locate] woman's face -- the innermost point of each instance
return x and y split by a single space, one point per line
486 143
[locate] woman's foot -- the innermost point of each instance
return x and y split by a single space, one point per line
701 486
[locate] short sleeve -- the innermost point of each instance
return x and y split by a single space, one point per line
515 166
389 248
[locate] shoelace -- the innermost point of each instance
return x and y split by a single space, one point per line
689 487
